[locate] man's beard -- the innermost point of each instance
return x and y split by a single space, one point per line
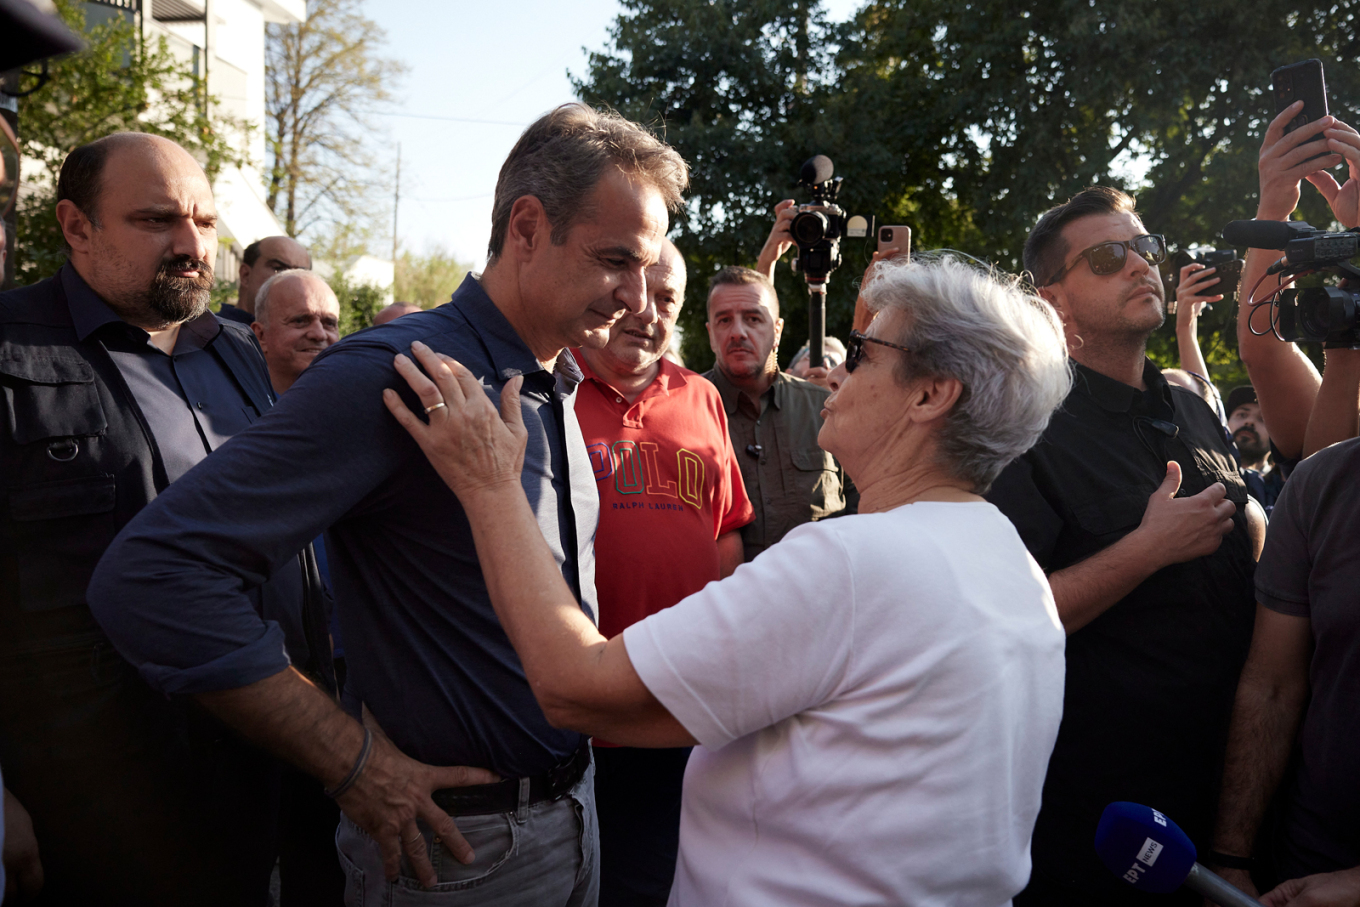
179 299
1249 445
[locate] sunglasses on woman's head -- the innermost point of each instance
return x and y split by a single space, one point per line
1109 257
854 350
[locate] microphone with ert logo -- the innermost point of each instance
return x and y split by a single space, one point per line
1151 853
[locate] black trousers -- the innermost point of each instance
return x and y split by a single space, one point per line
309 868
637 796
136 800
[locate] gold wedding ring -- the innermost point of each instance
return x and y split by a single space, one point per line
430 409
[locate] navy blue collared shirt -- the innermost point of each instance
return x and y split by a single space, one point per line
424 649
235 313
189 399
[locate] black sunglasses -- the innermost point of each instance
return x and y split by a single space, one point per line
854 350
1109 257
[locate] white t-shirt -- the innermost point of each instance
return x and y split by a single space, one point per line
876 697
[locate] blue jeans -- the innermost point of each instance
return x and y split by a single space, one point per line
545 855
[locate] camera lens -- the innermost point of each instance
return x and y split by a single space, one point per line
808 227
1323 311
885 234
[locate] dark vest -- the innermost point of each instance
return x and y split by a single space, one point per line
77 458
78 461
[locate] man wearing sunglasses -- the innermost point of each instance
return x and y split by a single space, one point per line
1133 505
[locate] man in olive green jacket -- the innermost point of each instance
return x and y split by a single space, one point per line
773 417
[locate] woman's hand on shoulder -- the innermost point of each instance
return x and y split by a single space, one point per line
472 447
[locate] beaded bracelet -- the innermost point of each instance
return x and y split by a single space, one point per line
358 767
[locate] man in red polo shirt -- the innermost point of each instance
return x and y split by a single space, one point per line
671 506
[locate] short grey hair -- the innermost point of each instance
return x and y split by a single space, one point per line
1002 343
262 296
562 156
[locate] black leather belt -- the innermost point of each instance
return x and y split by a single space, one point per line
504 796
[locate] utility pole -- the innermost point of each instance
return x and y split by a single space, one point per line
209 48
396 205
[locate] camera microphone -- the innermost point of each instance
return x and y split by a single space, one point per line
1264 234
1151 853
817 169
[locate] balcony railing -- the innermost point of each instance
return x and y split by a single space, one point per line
177 10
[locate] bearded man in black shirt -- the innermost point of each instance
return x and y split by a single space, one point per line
1133 505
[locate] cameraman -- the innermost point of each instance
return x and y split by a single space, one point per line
780 239
777 243
1305 412
1298 689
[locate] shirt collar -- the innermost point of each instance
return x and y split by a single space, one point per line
89 313
509 355
1116 396
730 394
670 377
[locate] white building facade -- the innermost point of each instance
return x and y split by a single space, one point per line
224 40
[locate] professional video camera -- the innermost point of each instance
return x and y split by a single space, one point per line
1327 314
817 230
1227 268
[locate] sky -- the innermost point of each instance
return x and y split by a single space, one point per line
479 73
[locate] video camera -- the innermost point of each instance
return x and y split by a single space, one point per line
1327 314
818 226
817 230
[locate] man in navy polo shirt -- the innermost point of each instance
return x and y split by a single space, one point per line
261 260
580 213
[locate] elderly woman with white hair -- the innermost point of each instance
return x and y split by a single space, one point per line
875 697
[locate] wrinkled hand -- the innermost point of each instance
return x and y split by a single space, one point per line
1283 162
23 867
1327 889
470 445
780 239
1193 295
392 792
1182 529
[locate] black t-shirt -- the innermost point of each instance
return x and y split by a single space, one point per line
1150 682
1309 569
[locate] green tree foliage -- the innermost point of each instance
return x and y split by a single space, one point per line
359 302
428 280
966 119
732 84
119 83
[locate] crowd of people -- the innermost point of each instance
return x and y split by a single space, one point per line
495 603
